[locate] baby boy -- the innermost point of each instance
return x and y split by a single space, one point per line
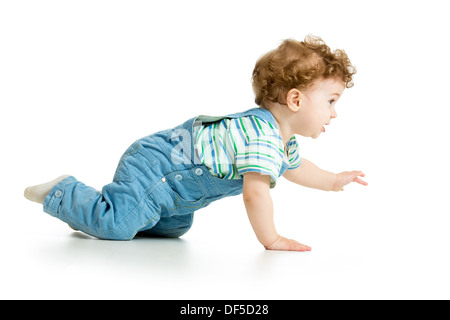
162 179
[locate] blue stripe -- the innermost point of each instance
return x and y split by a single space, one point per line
224 123
295 167
292 141
241 132
213 153
265 144
298 165
252 120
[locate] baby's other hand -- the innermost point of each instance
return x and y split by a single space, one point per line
344 178
285 244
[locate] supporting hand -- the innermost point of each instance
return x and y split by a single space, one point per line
285 244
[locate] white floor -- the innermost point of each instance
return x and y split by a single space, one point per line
368 254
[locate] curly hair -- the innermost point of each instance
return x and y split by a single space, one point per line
296 64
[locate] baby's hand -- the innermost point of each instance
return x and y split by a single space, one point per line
345 178
287 245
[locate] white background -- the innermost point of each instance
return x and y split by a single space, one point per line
81 80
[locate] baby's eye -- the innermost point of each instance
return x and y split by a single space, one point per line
331 101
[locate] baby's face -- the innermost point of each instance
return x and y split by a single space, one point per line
318 107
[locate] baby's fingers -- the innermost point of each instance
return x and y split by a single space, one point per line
297 246
361 181
287 245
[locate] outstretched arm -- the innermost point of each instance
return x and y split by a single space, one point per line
311 176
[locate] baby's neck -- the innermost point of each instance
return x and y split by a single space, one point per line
279 112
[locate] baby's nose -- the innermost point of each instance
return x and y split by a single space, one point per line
333 113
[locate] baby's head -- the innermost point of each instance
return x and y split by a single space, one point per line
298 64
291 74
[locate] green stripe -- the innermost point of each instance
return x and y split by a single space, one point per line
259 124
243 128
233 142
216 147
203 153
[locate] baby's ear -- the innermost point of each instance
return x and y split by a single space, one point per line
293 99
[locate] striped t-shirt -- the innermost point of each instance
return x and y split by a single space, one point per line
231 147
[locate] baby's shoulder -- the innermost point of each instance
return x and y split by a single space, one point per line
254 127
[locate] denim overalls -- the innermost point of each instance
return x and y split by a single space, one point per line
158 185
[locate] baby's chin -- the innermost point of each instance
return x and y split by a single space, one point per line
315 136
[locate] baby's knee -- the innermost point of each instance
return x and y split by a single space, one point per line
165 233
176 233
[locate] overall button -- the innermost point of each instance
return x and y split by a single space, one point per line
163 179
178 177
58 194
198 171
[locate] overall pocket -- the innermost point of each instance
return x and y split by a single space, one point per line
185 192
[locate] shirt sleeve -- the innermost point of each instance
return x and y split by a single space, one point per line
264 155
293 153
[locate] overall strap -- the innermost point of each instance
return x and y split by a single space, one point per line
258 112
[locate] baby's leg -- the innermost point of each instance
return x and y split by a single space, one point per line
38 192
116 213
